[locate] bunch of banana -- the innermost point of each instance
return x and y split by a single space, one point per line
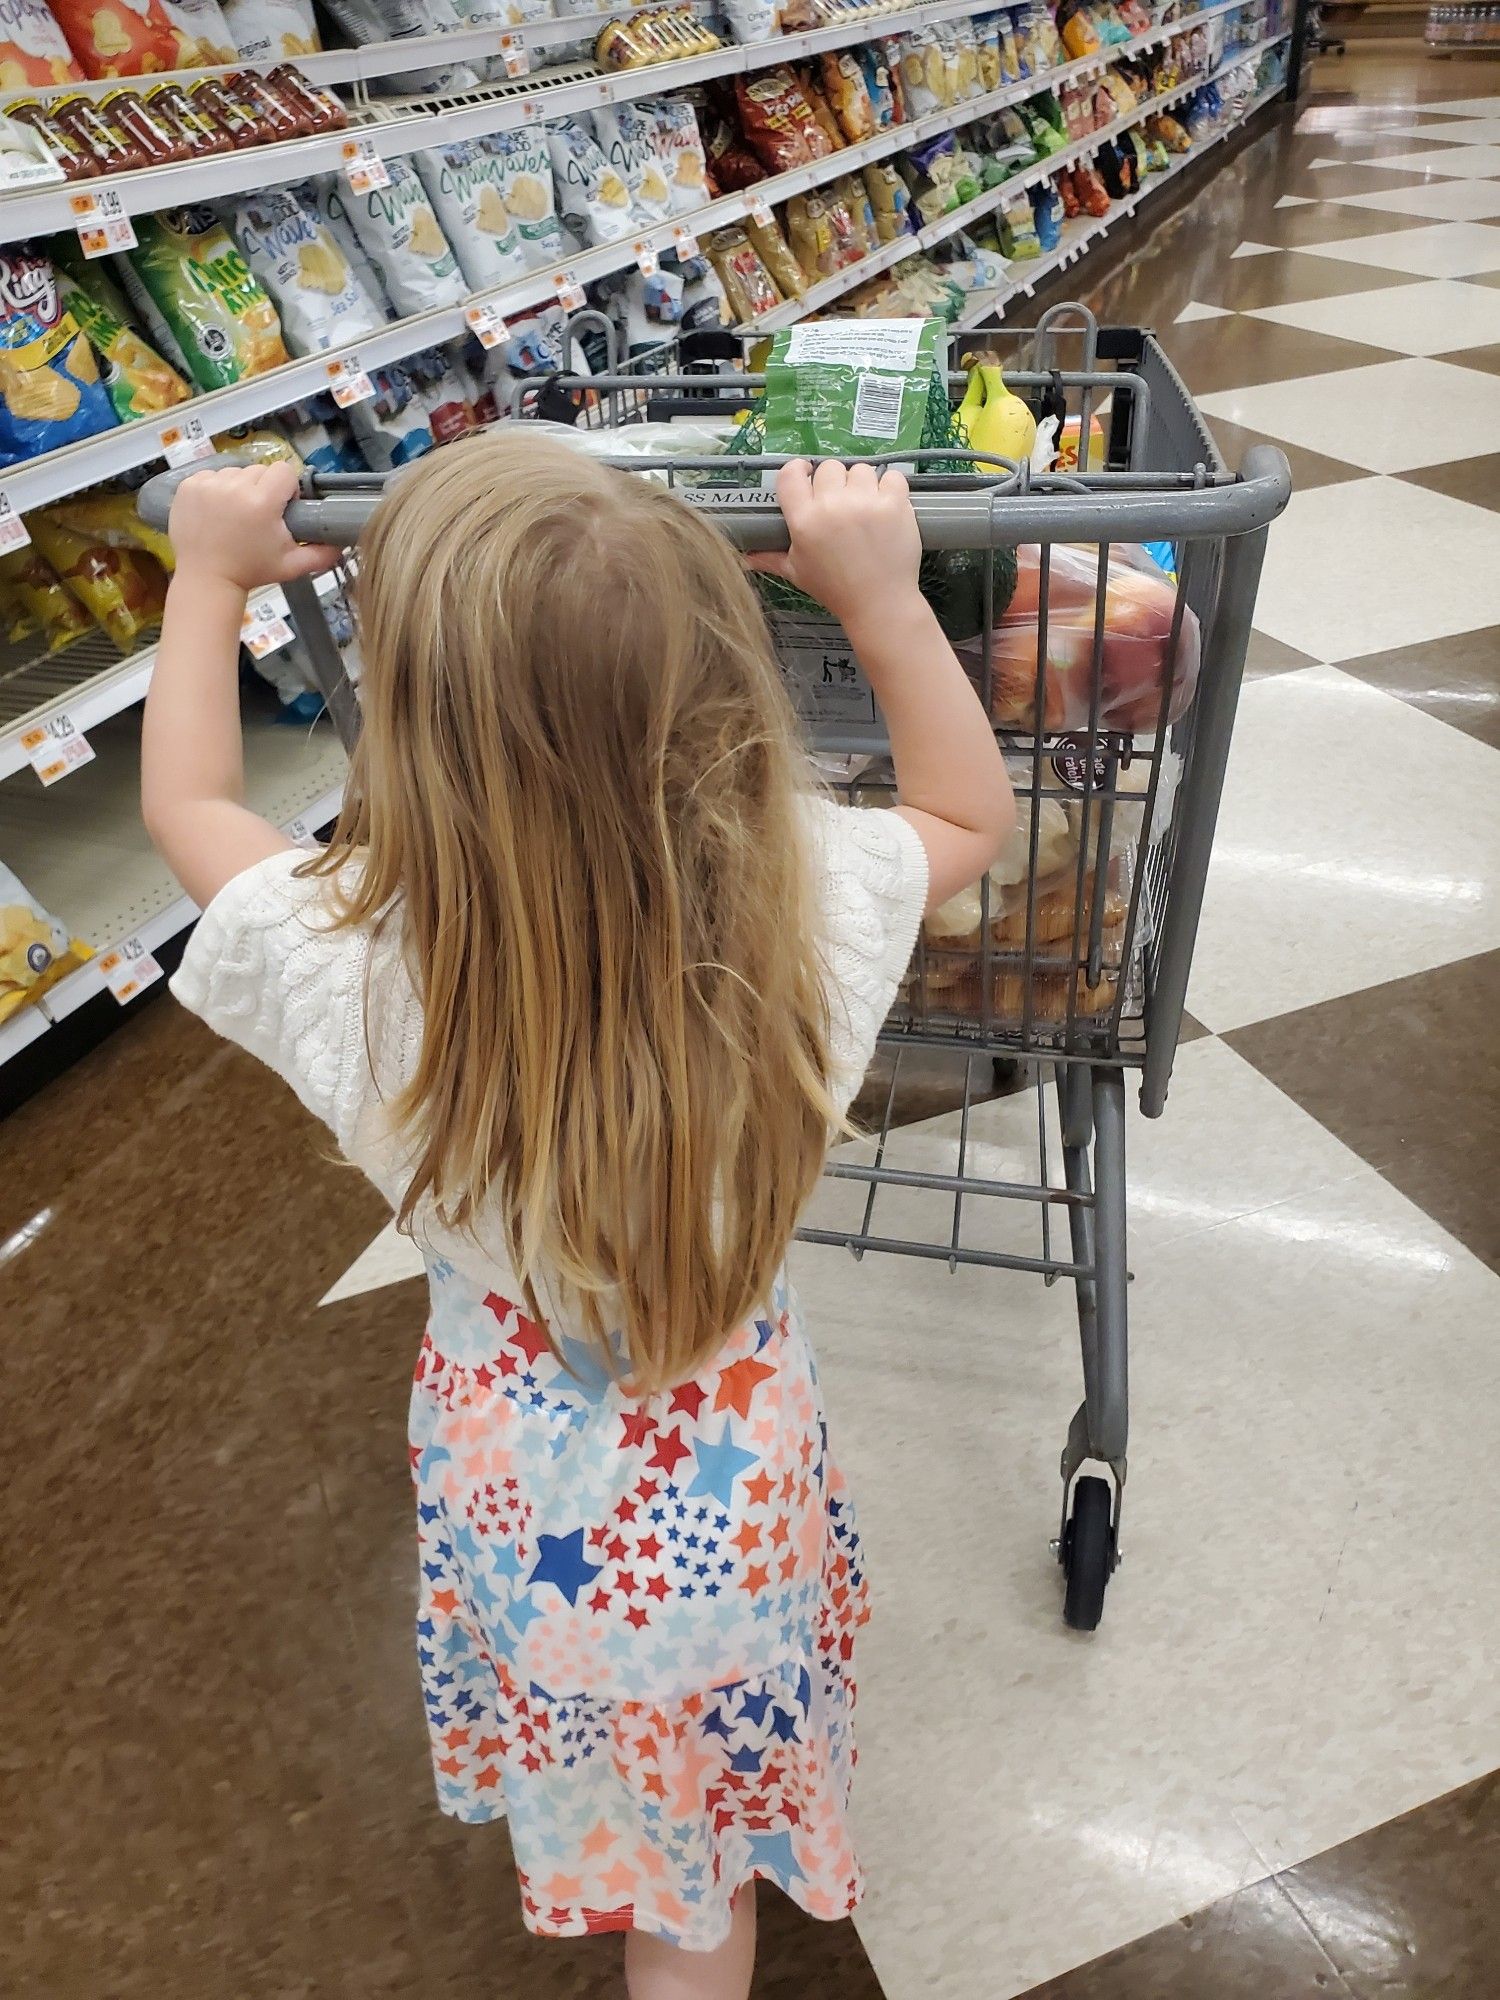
991 418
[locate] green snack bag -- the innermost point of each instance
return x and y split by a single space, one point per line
189 268
851 388
138 381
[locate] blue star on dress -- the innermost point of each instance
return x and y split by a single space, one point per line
719 1465
560 1560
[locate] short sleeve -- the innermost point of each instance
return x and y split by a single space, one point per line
871 885
266 970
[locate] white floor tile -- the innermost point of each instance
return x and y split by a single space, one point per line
1455 131
1256 250
1472 162
1445 201
1296 201
1446 250
1326 879
1197 311
389 1259
1027 1797
1437 316
1470 107
1393 416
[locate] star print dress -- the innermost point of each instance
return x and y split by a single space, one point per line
636 1618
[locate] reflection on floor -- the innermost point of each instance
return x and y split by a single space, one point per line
1271 1773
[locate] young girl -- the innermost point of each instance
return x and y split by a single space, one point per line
584 982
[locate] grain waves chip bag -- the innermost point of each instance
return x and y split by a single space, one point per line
465 184
50 392
525 162
405 242
629 140
680 147
195 276
202 22
595 201
320 301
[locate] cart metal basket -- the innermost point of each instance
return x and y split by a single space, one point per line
1070 964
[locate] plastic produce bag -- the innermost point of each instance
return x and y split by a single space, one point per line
50 392
190 268
319 300
464 183
404 240
1139 606
35 949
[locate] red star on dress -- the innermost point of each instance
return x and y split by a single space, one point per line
490 1746
757 1577
457 1739
648 1548
760 1488
452 1765
747 1539
689 1398
670 1452
657 1587
486 1780
599 1601
626 1584
789 1566
626 1509
638 1427
445 1601
614 1548
737 1384
529 1337
637 1616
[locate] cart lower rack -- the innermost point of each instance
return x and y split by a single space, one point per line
1112 680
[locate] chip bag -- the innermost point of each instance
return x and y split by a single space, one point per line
202 22
464 183
272 31
122 591
593 196
119 37
318 299
405 242
34 50
27 573
114 520
138 381
50 392
195 274
528 192
848 94
35 949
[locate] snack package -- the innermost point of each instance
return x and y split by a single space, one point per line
367 21
748 286
393 428
1018 237
931 172
1076 26
202 22
34 50
323 197
118 38
464 183
35 949
449 408
848 95
680 147
851 387
987 52
780 126
888 199
1047 214
270 31
592 196
32 579
114 521
923 72
50 392
969 81
731 164
628 139
704 304
122 591
193 272
1139 605
137 380
875 70
405 242
750 20
810 84
527 189
851 192
318 298
776 254
1014 66
646 310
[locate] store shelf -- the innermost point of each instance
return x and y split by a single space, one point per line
83 853
912 245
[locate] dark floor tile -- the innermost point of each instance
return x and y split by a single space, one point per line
1191 1030
1254 1945
1357 179
1239 353
1476 480
1266 656
1321 221
1486 359
1407 1075
1247 283
1309 468
1408 1911
1490 278
1457 679
929 1082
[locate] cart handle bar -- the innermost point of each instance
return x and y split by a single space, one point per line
1007 512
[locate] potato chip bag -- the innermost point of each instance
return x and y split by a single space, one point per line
680 147
203 22
138 381
33 580
114 520
593 197
192 270
50 392
124 592
465 185
17 618
628 139
318 299
35 949
118 37
405 242
34 50
272 31
530 198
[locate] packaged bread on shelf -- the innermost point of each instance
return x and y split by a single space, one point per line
35 949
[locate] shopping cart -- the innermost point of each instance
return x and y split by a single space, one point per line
1071 965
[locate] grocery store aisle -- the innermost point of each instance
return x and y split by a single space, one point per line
1271 1772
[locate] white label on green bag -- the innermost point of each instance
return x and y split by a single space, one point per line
865 343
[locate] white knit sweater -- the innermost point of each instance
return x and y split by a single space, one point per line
264 971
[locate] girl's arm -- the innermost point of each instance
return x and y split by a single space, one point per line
229 539
855 548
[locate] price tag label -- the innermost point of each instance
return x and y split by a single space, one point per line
102 224
570 294
56 747
760 210
647 261
13 530
515 55
299 831
129 969
265 628
186 441
363 167
349 382
487 324
685 242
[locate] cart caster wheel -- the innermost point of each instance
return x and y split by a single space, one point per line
1088 1553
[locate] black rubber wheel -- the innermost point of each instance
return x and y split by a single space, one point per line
1088 1553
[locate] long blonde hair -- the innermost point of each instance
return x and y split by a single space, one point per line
579 775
